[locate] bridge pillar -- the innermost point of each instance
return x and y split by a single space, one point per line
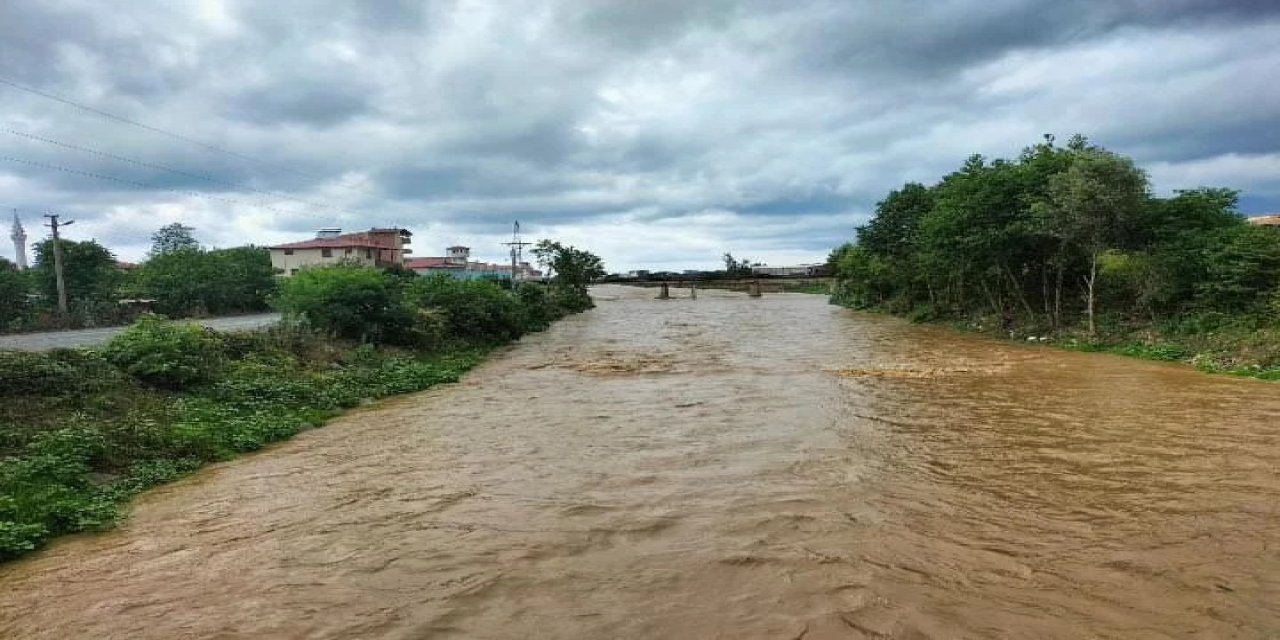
665 293
753 289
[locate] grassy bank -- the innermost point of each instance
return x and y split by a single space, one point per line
82 431
1237 346
1234 350
79 436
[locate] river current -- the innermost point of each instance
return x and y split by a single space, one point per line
725 467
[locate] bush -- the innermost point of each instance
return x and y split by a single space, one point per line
47 491
539 311
357 303
474 310
36 374
167 354
59 372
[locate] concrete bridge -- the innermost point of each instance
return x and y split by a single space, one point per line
750 286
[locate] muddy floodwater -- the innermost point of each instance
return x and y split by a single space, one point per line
724 467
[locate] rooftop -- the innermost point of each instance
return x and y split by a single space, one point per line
371 239
340 242
432 263
1270 220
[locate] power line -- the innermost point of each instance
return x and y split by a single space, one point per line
160 167
135 183
135 123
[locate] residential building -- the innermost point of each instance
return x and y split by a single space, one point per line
457 263
375 248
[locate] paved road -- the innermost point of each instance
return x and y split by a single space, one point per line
91 337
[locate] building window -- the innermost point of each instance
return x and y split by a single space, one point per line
368 254
292 271
326 253
288 252
347 252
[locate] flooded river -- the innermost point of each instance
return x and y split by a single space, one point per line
724 467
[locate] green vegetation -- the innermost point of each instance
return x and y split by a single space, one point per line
182 278
15 287
572 270
1068 243
81 431
191 281
92 280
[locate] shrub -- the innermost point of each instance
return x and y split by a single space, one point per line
37 374
167 354
47 491
474 310
539 311
358 303
59 372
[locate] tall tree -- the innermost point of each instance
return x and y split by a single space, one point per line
572 270
1098 202
15 288
192 281
90 271
172 237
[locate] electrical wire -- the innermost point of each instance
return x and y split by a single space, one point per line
160 167
144 185
164 132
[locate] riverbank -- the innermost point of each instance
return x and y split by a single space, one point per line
1241 349
84 430
79 436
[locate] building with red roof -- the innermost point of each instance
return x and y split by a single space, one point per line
375 248
457 263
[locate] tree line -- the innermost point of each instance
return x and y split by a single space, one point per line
180 279
1063 239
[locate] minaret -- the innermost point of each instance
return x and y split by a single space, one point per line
19 236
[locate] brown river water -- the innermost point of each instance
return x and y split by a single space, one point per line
724 467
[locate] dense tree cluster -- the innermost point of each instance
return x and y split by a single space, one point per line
1061 238
192 281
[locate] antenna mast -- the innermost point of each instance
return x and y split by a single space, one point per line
517 251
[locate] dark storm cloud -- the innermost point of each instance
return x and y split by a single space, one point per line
663 131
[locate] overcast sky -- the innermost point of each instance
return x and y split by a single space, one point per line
657 133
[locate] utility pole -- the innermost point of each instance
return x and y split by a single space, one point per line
517 250
57 262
